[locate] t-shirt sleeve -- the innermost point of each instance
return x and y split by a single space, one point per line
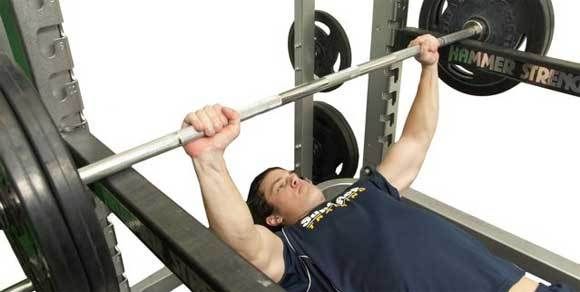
294 278
374 177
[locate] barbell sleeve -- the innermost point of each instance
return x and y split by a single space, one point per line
113 164
22 286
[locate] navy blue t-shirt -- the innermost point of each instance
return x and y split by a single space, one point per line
367 239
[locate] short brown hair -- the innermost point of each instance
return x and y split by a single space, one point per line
259 207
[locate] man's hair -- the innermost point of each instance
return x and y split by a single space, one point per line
259 207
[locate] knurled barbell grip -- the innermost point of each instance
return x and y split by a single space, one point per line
126 159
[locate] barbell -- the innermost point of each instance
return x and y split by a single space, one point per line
110 165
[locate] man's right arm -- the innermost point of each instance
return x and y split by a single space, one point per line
228 215
230 219
402 163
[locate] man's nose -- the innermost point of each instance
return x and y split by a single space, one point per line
294 180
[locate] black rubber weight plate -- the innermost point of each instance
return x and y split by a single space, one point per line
75 203
509 22
35 228
328 47
334 144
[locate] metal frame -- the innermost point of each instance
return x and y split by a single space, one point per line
103 213
303 72
160 281
49 58
192 252
383 86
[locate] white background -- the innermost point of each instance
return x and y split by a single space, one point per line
511 159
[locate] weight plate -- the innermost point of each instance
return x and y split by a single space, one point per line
546 23
508 22
334 145
35 228
76 205
328 47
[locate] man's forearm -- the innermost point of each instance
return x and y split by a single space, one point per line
228 215
422 119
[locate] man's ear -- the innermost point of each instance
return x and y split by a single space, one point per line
274 220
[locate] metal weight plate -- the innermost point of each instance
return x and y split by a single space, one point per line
334 145
329 47
76 205
34 225
509 23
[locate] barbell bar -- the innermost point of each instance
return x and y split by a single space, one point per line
22 286
115 163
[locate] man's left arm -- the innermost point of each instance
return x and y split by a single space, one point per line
404 159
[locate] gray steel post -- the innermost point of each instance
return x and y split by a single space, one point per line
304 72
383 88
103 213
49 56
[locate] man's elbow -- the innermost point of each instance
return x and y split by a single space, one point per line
416 152
404 182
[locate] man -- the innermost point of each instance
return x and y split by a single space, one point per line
366 239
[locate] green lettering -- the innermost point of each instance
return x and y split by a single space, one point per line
453 54
464 56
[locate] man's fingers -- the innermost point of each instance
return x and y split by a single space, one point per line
207 123
219 111
428 48
232 115
214 117
211 119
434 44
193 120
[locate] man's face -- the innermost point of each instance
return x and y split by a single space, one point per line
291 196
